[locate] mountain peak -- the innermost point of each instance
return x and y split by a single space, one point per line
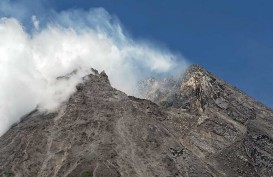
194 84
199 126
195 76
195 68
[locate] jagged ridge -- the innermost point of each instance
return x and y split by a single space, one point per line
200 127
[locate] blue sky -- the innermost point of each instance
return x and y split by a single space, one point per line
232 39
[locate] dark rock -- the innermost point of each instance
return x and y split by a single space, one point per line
95 72
68 76
194 126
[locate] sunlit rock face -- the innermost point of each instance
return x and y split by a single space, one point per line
194 125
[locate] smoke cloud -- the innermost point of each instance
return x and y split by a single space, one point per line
35 50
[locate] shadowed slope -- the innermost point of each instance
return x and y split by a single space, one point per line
202 127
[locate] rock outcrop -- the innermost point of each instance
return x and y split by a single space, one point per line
196 126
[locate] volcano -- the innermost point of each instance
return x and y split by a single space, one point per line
194 126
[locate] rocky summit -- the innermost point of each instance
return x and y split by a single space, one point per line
194 126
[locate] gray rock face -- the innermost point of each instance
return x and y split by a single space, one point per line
197 126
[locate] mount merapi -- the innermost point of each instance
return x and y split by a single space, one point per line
194 126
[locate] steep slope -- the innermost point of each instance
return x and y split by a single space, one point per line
199 126
232 132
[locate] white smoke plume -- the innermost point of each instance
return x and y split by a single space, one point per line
32 57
